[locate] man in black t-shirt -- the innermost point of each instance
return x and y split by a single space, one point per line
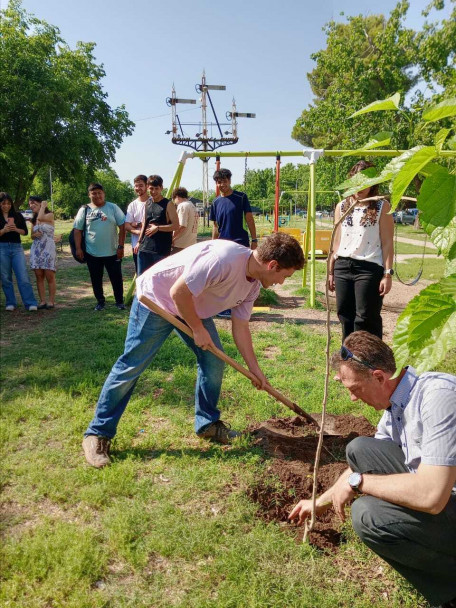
160 220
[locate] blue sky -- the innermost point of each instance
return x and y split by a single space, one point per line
259 49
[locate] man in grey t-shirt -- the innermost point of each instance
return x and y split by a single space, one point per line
407 472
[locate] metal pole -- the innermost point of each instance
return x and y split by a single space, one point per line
217 168
277 194
331 153
312 233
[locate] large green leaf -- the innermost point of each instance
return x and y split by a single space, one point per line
426 330
379 140
444 109
412 167
440 138
391 103
360 181
443 237
449 286
437 198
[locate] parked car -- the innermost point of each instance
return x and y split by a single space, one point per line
405 217
27 214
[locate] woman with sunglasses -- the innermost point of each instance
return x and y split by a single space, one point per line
361 261
43 253
12 257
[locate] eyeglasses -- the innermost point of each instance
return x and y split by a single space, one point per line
346 354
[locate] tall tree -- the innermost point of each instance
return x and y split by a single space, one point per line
53 110
370 58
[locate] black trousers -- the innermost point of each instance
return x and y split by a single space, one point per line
113 265
357 298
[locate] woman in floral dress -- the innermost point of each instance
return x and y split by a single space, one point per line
43 253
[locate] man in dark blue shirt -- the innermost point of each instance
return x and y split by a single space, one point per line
228 211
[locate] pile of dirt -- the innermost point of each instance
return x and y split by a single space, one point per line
291 443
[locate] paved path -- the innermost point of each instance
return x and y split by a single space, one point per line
403 239
408 256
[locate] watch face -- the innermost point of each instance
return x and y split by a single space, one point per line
354 479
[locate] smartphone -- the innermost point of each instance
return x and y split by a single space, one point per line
11 221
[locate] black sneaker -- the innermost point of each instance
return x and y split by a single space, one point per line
100 306
120 305
219 432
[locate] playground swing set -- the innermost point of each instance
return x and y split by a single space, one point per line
318 242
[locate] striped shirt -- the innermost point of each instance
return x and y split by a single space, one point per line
422 419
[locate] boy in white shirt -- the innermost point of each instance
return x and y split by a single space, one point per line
135 213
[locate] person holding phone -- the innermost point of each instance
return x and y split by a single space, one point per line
12 257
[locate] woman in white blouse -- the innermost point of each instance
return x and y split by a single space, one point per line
361 263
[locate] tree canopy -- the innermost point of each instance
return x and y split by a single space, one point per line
53 109
371 58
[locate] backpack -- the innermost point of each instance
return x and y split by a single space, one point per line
73 243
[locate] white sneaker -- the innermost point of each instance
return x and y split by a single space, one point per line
31 308
10 307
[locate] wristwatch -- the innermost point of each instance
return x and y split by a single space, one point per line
355 480
120 246
388 271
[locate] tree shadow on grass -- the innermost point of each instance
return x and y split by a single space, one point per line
206 452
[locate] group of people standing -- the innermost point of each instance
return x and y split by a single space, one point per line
42 254
158 227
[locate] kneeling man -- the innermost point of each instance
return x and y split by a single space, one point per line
195 284
406 474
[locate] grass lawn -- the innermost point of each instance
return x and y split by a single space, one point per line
170 522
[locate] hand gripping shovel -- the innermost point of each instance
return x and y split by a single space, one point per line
224 357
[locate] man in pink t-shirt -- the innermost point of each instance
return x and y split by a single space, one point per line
195 284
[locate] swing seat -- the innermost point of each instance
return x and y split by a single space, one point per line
322 242
294 232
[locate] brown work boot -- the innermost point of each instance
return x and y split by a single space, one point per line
96 450
219 432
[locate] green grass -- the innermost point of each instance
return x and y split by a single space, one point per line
170 522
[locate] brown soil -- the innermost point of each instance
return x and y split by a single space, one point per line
291 443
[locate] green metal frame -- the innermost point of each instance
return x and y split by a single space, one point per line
312 156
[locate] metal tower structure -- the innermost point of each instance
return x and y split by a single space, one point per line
210 135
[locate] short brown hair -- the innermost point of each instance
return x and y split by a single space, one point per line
282 248
368 348
180 192
140 178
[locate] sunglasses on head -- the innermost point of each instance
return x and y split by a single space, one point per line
346 354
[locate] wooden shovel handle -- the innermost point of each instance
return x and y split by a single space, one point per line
224 357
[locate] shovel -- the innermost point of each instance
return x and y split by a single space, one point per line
224 357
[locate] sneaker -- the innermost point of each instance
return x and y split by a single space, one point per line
219 432
33 308
100 306
10 307
96 450
225 314
120 306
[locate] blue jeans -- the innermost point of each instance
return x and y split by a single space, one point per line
146 333
12 259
